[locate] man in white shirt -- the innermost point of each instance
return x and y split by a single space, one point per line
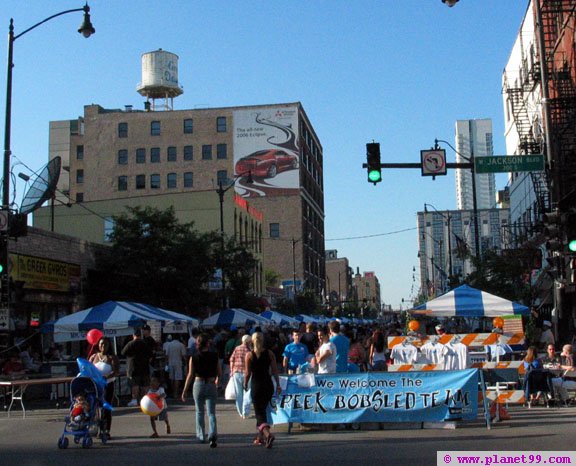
326 354
175 356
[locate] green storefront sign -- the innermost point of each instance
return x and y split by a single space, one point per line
509 163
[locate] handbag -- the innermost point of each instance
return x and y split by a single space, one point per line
230 392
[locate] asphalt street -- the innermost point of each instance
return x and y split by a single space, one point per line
33 441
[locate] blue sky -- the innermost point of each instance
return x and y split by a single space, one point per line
397 72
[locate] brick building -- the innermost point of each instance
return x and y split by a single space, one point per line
112 157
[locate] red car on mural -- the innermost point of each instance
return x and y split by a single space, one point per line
267 163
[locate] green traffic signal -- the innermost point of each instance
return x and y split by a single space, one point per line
375 176
572 245
1 268
373 162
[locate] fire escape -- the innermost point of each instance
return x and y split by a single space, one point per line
556 185
558 19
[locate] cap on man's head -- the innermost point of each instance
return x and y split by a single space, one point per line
146 327
440 327
547 323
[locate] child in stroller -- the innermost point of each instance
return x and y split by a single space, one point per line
80 411
86 394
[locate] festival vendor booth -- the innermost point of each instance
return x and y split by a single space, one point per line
426 393
280 319
116 318
234 317
111 319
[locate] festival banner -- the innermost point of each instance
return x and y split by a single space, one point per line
378 397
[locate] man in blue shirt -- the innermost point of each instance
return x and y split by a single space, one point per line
295 354
342 346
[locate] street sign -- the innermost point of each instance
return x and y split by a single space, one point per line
509 163
4 319
433 162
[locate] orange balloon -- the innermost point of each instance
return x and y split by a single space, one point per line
413 325
498 322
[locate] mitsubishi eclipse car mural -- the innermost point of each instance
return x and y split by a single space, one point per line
266 145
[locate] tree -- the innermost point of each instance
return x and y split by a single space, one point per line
156 260
271 278
159 261
502 275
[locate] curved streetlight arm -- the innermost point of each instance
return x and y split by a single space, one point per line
474 199
85 9
436 146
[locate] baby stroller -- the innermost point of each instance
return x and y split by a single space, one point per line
84 428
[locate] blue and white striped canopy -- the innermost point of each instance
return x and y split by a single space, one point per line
466 301
113 318
280 319
234 316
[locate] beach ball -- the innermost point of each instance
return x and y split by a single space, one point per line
413 325
498 322
152 404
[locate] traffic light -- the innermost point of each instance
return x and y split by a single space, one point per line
373 162
570 228
553 231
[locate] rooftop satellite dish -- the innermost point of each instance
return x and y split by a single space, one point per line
43 187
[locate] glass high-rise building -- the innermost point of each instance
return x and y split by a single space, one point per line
474 138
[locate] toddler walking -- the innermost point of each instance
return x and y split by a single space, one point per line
157 391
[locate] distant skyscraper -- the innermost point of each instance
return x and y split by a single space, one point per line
474 138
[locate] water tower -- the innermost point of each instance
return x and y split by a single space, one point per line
159 80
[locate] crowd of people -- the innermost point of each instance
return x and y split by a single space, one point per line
251 360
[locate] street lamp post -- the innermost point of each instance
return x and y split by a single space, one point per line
86 29
470 160
448 219
221 192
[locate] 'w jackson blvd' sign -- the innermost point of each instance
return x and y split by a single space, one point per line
378 397
509 163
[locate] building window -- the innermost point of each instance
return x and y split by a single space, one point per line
79 197
155 128
188 126
80 152
108 229
188 179
79 176
140 155
221 124
274 230
122 183
122 130
140 181
171 180
221 151
155 181
155 155
122 157
172 154
206 152
188 152
222 177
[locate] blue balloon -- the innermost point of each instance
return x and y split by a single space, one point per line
87 369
